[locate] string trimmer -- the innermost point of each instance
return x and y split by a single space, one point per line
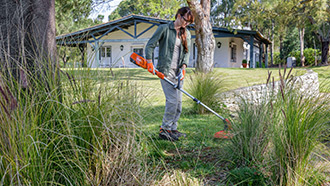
141 62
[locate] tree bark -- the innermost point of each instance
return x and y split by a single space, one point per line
281 47
204 35
301 35
27 31
315 56
323 34
272 49
325 52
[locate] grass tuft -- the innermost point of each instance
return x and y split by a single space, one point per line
206 88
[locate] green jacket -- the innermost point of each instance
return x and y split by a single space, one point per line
166 35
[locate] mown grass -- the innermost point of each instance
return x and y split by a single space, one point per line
231 78
324 77
105 132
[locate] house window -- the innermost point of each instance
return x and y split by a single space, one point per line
233 53
138 51
108 52
105 52
105 56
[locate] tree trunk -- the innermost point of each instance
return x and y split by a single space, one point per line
323 34
204 35
301 36
315 56
281 48
325 52
27 31
273 45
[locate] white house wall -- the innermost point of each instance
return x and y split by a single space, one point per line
140 28
117 54
239 53
91 61
221 55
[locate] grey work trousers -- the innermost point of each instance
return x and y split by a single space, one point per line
173 106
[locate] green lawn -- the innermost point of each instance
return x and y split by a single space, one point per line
232 78
324 77
200 155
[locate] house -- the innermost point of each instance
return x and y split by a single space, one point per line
110 44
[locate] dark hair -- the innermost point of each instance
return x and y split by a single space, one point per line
190 18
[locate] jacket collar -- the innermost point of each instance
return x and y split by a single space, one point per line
172 25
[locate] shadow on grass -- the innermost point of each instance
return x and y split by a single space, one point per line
199 154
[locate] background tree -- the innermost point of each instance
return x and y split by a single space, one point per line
275 20
155 8
290 42
221 12
205 41
319 16
73 15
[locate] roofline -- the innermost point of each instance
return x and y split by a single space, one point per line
133 16
110 23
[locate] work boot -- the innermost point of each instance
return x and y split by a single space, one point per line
178 134
167 135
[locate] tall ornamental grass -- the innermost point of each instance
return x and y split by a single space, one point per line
250 140
207 89
80 131
279 136
300 121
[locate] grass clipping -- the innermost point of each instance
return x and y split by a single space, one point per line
178 178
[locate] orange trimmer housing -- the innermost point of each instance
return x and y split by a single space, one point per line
142 62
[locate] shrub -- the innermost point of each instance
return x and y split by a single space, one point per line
206 88
309 54
262 65
276 58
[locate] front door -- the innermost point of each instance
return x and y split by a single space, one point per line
106 60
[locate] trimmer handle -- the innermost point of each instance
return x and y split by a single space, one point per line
142 62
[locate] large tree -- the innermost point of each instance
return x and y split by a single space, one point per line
268 17
319 16
204 34
154 8
73 15
27 31
221 12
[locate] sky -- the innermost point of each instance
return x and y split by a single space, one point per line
105 9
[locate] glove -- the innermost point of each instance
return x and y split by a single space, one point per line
151 68
181 74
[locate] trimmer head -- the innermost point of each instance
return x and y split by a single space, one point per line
224 134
